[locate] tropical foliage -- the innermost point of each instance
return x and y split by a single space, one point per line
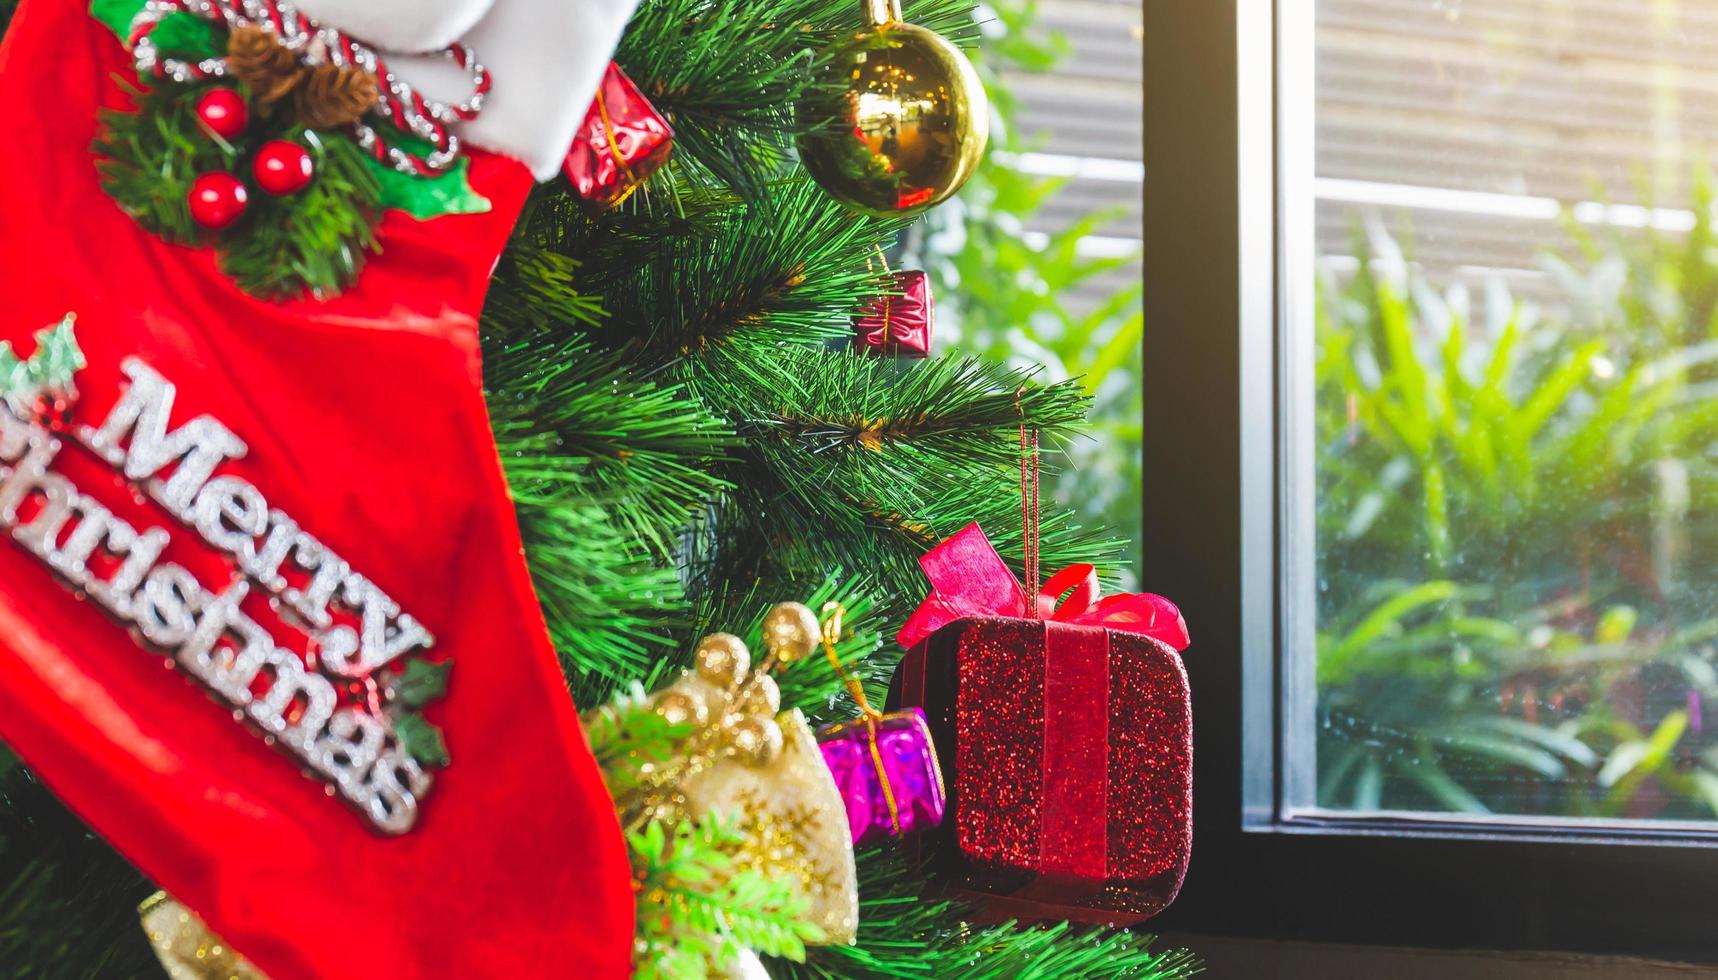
1517 516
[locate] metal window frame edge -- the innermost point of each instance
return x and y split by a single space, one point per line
1223 80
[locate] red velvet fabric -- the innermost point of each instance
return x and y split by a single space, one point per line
366 424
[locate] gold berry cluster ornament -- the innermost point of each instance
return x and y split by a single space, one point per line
899 116
746 700
723 710
730 753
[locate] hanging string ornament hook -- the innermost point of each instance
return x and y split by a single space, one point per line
888 297
834 614
1031 513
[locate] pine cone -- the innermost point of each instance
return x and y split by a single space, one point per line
268 68
332 96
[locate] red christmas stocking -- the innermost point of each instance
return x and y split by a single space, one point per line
264 619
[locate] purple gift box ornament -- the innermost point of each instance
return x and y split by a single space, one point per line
884 764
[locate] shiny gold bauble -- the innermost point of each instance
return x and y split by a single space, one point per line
900 118
722 659
791 631
680 708
756 742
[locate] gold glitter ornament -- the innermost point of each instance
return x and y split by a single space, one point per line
791 631
794 823
186 947
901 119
681 708
722 659
755 742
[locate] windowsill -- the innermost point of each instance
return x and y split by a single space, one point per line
1228 957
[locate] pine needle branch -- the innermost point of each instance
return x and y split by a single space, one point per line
790 275
834 404
607 604
647 450
316 239
68 902
903 935
700 910
728 74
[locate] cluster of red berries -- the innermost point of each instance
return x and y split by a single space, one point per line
280 167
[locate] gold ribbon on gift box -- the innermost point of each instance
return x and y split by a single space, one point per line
833 615
632 181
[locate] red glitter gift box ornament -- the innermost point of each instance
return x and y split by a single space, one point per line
898 325
1069 726
622 142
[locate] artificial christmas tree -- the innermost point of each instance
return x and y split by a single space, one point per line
679 445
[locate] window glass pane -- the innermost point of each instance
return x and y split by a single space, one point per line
1513 371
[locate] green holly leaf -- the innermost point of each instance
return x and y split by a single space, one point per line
183 35
58 357
421 740
53 366
422 682
15 380
429 197
180 34
117 15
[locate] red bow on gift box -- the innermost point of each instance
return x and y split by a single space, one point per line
970 580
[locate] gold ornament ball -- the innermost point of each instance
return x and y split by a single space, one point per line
722 659
762 697
680 708
900 118
791 631
756 742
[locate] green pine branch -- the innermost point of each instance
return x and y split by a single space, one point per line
316 239
729 75
863 406
68 903
791 274
605 602
849 466
699 909
648 451
904 935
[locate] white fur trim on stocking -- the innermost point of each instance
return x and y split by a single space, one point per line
399 25
546 57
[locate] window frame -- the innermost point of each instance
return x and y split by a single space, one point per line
1221 291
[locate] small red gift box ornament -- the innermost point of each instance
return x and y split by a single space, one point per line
898 325
622 142
1069 726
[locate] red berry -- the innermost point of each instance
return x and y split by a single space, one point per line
283 168
217 199
222 112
